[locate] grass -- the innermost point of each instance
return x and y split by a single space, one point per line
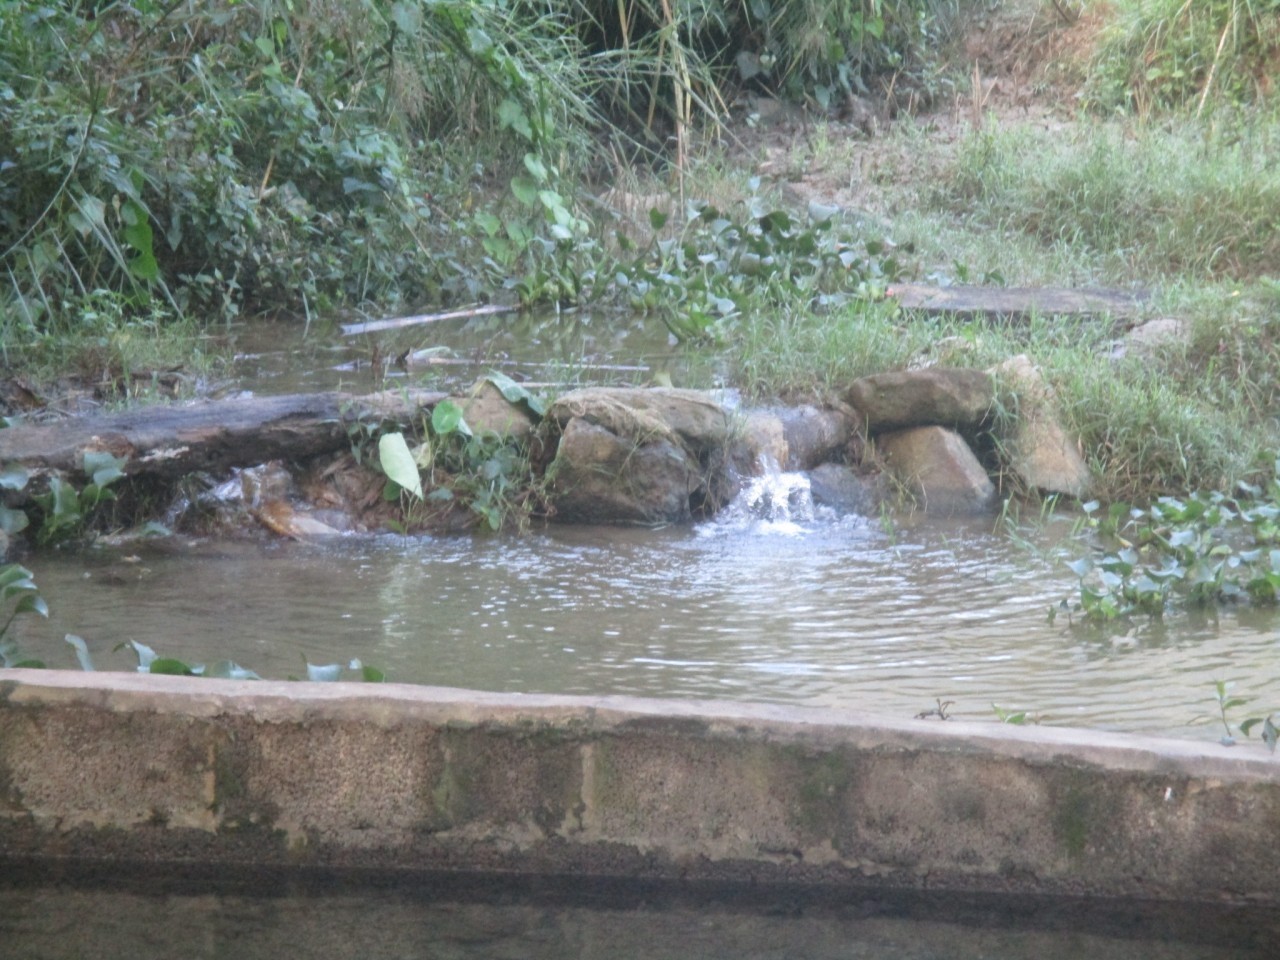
1192 54
1191 198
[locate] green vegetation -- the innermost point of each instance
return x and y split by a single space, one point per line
370 154
1196 199
1202 551
182 159
1159 54
63 511
1226 702
19 596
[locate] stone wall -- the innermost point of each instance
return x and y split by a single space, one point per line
176 770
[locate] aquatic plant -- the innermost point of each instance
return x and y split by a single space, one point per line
20 596
1226 703
1201 550
66 510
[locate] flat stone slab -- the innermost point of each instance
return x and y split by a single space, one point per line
127 767
1016 302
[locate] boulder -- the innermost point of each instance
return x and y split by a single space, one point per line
840 487
939 468
486 409
957 397
797 438
1035 446
636 456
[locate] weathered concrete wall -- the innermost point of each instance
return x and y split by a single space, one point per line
176 769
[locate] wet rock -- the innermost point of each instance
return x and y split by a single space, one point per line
956 397
265 482
797 438
939 468
1037 448
601 477
634 456
840 487
486 409
284 519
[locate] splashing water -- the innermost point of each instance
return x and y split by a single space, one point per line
775 502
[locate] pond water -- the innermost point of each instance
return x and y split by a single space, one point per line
822 610
465 919
774 602
561 351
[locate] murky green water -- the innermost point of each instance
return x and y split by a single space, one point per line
462 920
811 609
561 351
834 612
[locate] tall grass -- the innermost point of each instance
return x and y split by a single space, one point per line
1187 53
1201 199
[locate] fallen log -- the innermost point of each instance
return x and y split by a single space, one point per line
169 442
1011 303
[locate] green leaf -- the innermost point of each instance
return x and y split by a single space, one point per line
168 666
516 394
1082 567
407 16
447 418
12 521
14 573
511 114
398 463
103 467
537 169
657 218
13 476
372 674
32 603
525 190
82 651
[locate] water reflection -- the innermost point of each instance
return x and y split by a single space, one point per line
608 920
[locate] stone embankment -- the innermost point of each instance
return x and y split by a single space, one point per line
649 456
173 771
945 436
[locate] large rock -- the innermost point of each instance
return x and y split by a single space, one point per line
635 456
1035 446
957 397
840 487
797 438
486 409
939 469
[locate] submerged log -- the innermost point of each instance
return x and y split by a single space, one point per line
168 442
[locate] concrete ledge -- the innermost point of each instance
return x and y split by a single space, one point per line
180 770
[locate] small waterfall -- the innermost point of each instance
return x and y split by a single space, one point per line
774 502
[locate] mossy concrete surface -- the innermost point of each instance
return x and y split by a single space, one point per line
180 770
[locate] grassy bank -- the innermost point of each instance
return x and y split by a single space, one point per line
1180 200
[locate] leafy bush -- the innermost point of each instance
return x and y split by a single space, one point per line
213 156
186 158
